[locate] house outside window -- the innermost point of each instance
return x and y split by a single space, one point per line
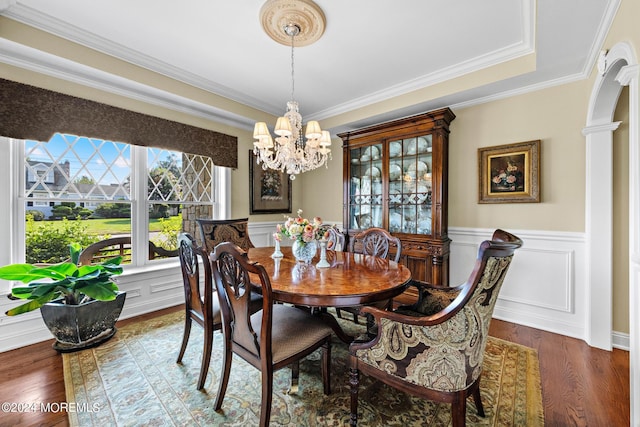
92 189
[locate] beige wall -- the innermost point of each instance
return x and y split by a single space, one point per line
555 116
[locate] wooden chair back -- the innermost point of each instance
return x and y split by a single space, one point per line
335 239
201 304
214 232
377 242
198 299
232 272
274 337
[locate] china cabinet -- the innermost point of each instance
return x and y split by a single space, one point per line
395 177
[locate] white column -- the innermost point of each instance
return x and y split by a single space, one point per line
599 220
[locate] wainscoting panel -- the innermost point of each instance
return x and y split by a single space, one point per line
545 285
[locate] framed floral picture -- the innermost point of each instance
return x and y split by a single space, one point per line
509 173
269 190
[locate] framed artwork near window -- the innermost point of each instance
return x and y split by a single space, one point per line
269 190
509 173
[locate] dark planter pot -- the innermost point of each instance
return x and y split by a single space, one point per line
77 327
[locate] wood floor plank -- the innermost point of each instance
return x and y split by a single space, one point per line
581 386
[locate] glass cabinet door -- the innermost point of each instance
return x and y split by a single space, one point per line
365 203
410 168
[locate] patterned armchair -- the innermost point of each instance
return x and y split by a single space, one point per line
435 347
213 232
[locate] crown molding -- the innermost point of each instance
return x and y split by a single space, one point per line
6 4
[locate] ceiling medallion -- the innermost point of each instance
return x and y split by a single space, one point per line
275 15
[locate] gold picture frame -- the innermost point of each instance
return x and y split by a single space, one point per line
509 173
269 190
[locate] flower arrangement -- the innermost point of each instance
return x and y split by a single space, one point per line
301 229
508 179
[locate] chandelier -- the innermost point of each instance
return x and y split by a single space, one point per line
289 152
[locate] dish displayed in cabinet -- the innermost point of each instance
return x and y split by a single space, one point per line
424 226
417 146
370 153
395 172
418 170
395 149
373 172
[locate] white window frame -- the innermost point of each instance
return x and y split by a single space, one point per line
12 224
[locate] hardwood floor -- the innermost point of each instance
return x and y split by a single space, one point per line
581 386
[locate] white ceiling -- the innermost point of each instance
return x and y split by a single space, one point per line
371 50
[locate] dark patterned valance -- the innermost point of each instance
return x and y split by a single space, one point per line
28 112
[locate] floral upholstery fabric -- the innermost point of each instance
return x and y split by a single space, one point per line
448 356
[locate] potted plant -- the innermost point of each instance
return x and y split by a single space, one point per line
79 304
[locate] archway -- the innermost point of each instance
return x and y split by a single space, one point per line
616 68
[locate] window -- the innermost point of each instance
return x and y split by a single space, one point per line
85 190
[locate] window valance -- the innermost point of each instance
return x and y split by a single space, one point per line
28 112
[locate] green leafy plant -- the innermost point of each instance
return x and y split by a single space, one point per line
72 283
48 241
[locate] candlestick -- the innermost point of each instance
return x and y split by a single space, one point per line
277 253
323 263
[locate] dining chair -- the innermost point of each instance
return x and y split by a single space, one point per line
434 348
215 231
377 242
335 239
270 339
201 305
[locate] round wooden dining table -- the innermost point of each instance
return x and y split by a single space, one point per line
350 280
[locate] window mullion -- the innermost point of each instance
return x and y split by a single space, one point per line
221 189
139 205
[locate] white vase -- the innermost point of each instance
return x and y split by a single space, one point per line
277 253
304 252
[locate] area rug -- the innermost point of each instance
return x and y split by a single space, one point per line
134 380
